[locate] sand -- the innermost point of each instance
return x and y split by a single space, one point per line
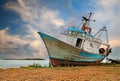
84 73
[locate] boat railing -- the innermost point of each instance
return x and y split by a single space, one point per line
97 40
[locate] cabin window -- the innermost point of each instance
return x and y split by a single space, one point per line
80 34
73 33
78 42
69 32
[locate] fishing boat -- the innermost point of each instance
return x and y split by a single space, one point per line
77 46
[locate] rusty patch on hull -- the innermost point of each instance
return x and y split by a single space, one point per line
58 62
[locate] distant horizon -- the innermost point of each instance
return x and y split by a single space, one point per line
24 59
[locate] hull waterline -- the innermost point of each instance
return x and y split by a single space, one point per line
58 62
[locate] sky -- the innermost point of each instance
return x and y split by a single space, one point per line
20 20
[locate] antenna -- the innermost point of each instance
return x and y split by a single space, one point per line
90 14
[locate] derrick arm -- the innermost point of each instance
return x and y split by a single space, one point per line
107 49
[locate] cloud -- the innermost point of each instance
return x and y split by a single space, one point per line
13 46
115 53
9 39
9 48
115 42
37 18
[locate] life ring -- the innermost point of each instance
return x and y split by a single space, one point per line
101 50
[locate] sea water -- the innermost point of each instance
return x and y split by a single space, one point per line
19 63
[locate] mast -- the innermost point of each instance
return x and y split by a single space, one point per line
87 19
90 14
84 26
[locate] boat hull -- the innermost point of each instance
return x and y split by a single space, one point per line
58 62
61 53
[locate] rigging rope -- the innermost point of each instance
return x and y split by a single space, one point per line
66 25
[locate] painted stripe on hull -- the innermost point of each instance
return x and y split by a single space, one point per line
90 55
